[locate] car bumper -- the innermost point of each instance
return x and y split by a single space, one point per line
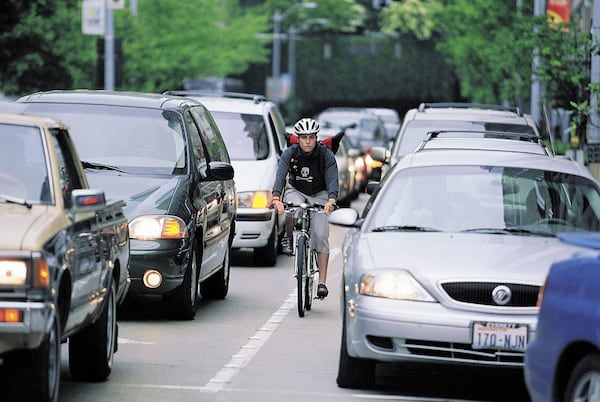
28 334
169 257
391 330
253 227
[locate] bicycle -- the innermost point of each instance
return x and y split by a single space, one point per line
305 263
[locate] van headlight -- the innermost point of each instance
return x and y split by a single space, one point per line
155 227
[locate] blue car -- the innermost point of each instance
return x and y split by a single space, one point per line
563 362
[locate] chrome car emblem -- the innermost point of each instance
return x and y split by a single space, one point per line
501 295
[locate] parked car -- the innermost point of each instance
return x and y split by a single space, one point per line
391 120
429 117
165 157
253 130
562 363
64 257
446 265
345 157
365 130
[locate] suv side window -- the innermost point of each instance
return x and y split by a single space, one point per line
217 151
197 149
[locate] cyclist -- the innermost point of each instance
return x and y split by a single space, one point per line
312 174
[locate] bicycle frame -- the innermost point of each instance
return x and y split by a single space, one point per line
305 264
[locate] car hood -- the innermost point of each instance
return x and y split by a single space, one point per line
435 257
145 195
29 228
254 175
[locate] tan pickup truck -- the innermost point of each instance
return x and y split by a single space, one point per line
64 260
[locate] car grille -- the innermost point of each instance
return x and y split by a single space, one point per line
463 352
482 293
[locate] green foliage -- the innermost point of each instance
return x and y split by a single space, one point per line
487 44
412 16
564 64
41 46
168 44
370 69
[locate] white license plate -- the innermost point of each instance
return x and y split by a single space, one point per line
499 335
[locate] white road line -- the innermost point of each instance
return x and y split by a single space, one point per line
256 342
250 349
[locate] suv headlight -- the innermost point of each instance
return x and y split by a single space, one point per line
254 199
157 227
399 285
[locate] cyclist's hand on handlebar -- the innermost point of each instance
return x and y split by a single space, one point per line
278 205
329 206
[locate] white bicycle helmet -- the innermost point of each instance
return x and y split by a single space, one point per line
306 126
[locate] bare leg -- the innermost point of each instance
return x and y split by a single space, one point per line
322 261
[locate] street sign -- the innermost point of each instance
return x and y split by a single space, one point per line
115 4
92 17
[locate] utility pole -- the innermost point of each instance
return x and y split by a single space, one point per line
539 8
594 124
109 51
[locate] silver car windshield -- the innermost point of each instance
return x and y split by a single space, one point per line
486 199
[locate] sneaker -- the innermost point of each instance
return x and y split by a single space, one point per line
286 245
322 291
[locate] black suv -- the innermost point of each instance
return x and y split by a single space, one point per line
165 157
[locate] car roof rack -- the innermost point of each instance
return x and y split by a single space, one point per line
239 95
507 135
463 105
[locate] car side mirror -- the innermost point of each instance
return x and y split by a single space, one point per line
220 171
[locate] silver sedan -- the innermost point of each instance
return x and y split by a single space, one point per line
446 262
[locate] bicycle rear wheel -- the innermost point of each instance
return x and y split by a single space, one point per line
301 263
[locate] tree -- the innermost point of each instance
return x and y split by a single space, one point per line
168 42
41 46
489 44
564 69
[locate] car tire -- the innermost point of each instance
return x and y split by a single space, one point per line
584 378
352 372
34 375
91 351
183 300
217 286
267 255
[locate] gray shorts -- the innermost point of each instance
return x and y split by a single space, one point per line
319 224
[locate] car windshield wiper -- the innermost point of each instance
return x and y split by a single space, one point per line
100 166
510 231
401 228
15 200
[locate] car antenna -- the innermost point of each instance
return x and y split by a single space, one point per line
547 124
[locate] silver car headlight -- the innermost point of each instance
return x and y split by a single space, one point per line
399 285
155 227
254 199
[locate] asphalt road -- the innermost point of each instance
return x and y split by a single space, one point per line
252 346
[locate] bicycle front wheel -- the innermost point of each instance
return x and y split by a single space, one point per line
311 284
301 263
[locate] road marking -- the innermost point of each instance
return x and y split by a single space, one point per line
256 342
250 349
